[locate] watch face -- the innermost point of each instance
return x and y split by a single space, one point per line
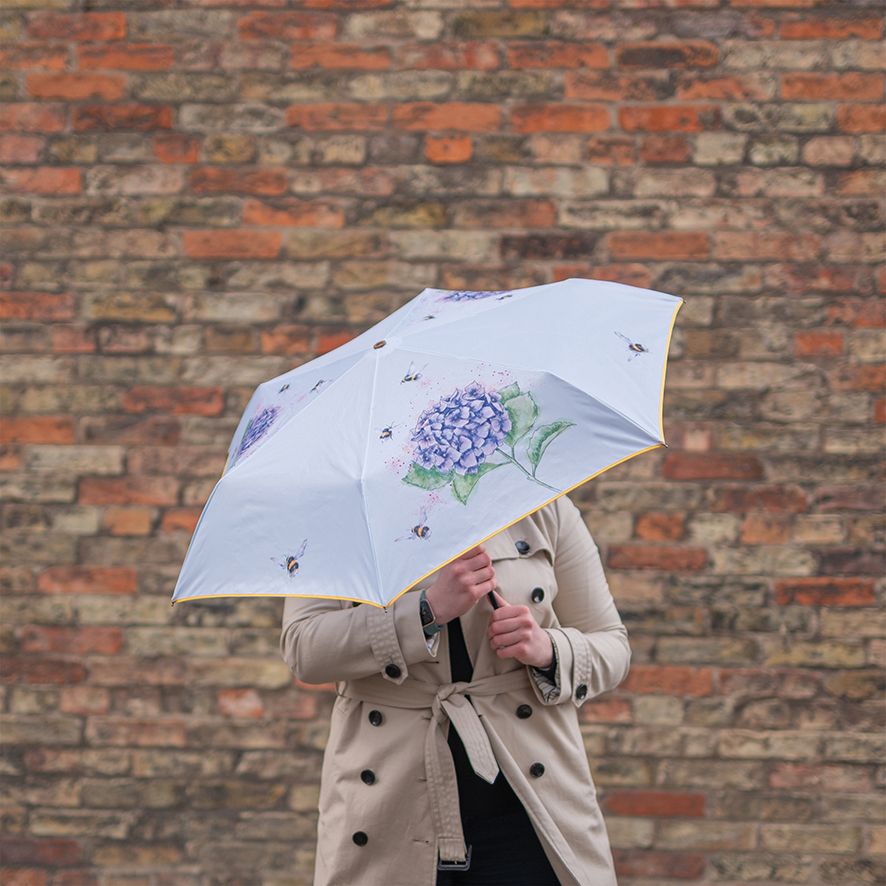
427 617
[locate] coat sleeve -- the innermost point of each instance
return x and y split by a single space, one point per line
326 641
591 647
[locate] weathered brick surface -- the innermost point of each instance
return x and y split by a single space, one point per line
197 196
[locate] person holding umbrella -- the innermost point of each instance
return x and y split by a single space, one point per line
455 754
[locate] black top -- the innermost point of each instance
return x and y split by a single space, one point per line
477 798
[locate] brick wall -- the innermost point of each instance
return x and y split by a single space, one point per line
195 199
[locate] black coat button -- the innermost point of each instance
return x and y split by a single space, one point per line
538 594
537 769
375 717
360 838
524 711
393 671
521 546
581 690
368 776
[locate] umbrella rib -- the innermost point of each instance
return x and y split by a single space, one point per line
363 475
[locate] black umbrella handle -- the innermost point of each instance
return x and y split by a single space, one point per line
493 601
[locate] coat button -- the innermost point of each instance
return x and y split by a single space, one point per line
538 594
393 671
360 838
537 770
375 717
521 546
581 690
524 711
368 776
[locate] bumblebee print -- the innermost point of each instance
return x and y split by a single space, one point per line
317 386
412 374
284 388
420 530
387 432
290 562
633 346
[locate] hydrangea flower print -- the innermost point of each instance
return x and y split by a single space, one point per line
456 439
256 429
473 294
462 430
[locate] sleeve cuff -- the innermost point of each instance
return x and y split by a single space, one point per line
550 691
415 645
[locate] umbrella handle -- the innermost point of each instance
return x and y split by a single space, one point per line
493 601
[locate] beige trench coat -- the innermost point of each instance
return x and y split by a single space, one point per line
388 796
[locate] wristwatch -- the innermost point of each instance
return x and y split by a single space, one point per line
428 619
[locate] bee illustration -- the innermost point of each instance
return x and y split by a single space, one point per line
411 374
420 530
507 295
387 432
633 346
290 562
284 388
316 386
429 317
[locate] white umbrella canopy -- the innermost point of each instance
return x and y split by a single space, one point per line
360 473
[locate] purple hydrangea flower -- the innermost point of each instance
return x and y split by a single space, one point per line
461 431
471 294
257 428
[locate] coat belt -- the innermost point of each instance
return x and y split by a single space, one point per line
447 701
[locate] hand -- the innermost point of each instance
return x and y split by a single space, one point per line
460 584
513 632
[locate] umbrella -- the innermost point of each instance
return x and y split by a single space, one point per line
360 473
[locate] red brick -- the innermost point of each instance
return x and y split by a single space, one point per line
180 520
449 56
74 641
825 591
138 117
23 850
43 180
669 680
338 116
126 56
461 116
231 244
762 529
737 499
26 55
448 149
74 85
77 26
287 26
606 710
667 149
240 703
136 521
860 313
879 416
350 56
660 527
175 400
176 147
826 28
853 86
818 343
859 377
711 466
663 245
293 212
861 118
40 670
32 117
552 54
665 865
37 306
658 804
667 118
287 338
129 490
37 429
559 118
21 148
87 580
330 339
215 180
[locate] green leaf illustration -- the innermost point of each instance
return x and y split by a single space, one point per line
463 484
426 478
509 392
523 411
542 437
